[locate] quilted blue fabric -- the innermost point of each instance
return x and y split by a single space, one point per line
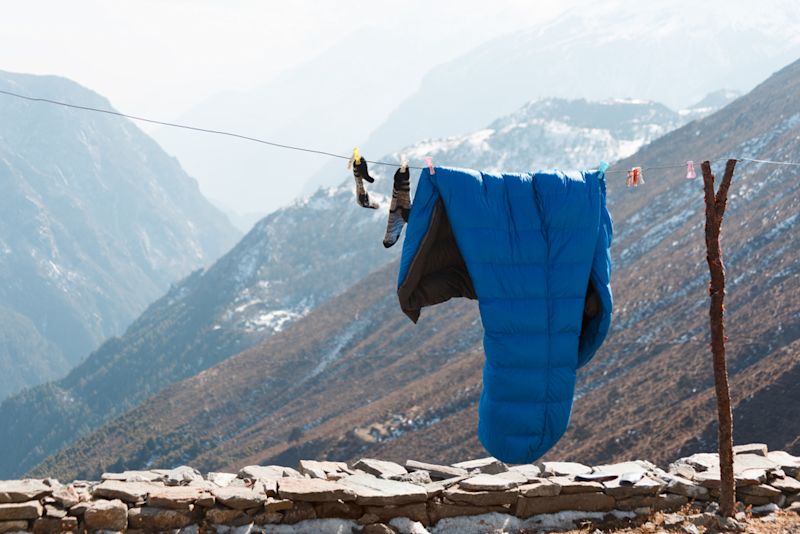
531 244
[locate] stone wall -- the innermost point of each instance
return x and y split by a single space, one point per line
370 495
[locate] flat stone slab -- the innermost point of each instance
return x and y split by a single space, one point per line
441 510
682 486
436 471
268 471
564 468
786 484
622 468
743 462
788 463
221 479
106 515
582 502
375 491
750 477
645 486
318 469
133 476
315 490
489 465
239 498
132 492
543 487
437 487
181 476
759 449
12 491
20 510
481 498
761 490
380 468
159 519
530 471
179 497
570 486
489 483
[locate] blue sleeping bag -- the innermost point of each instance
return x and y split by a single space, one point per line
534 250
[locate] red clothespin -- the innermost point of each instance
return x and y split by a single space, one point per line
635 177
429 163
690 174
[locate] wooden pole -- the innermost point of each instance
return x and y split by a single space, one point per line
715 209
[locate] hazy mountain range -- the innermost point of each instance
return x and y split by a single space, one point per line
355 377
292 261
97 222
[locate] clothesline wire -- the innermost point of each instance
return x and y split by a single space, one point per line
301 148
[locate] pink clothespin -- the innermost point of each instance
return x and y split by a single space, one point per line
690 174
429 163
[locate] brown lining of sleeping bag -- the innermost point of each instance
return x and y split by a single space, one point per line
437 272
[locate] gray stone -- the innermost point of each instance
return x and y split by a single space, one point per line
645 486
437 488
267 518
702 461
788 463
181 476
753 500
20 510
622 468
730 524
221 479
380 468
762 490
67 496
277 505
13 526
159 519
759 449
794 507
489 483
440 510
79 509
436 471
750 477
301 511
530 471
481 498
52 511
744 462
132 476
338 509
653 502
318 469
314 490
420 478
22 490
489 466
226 516
179 498
106 515
681 486
375 491
132 492
570 486
766 509
786 484
543 487
596 476
268 471
375 528
239 498
583 502
564 468
414 511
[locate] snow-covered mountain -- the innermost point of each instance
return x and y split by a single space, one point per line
671 52
97 221
292 261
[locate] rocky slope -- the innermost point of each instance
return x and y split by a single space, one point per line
417 497
293 260
97 222
355 377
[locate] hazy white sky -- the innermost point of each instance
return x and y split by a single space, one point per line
159 57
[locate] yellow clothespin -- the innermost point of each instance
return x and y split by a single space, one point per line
354 159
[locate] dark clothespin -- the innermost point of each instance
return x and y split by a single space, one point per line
361 173
400 207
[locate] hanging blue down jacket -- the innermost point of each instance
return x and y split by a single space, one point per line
534 250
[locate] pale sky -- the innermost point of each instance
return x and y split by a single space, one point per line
160 57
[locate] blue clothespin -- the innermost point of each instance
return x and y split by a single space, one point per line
603 167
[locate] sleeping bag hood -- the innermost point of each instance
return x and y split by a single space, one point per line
533 249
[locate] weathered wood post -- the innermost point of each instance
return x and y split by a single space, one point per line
715 209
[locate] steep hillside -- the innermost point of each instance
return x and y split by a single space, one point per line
293 260
97 222
355 377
